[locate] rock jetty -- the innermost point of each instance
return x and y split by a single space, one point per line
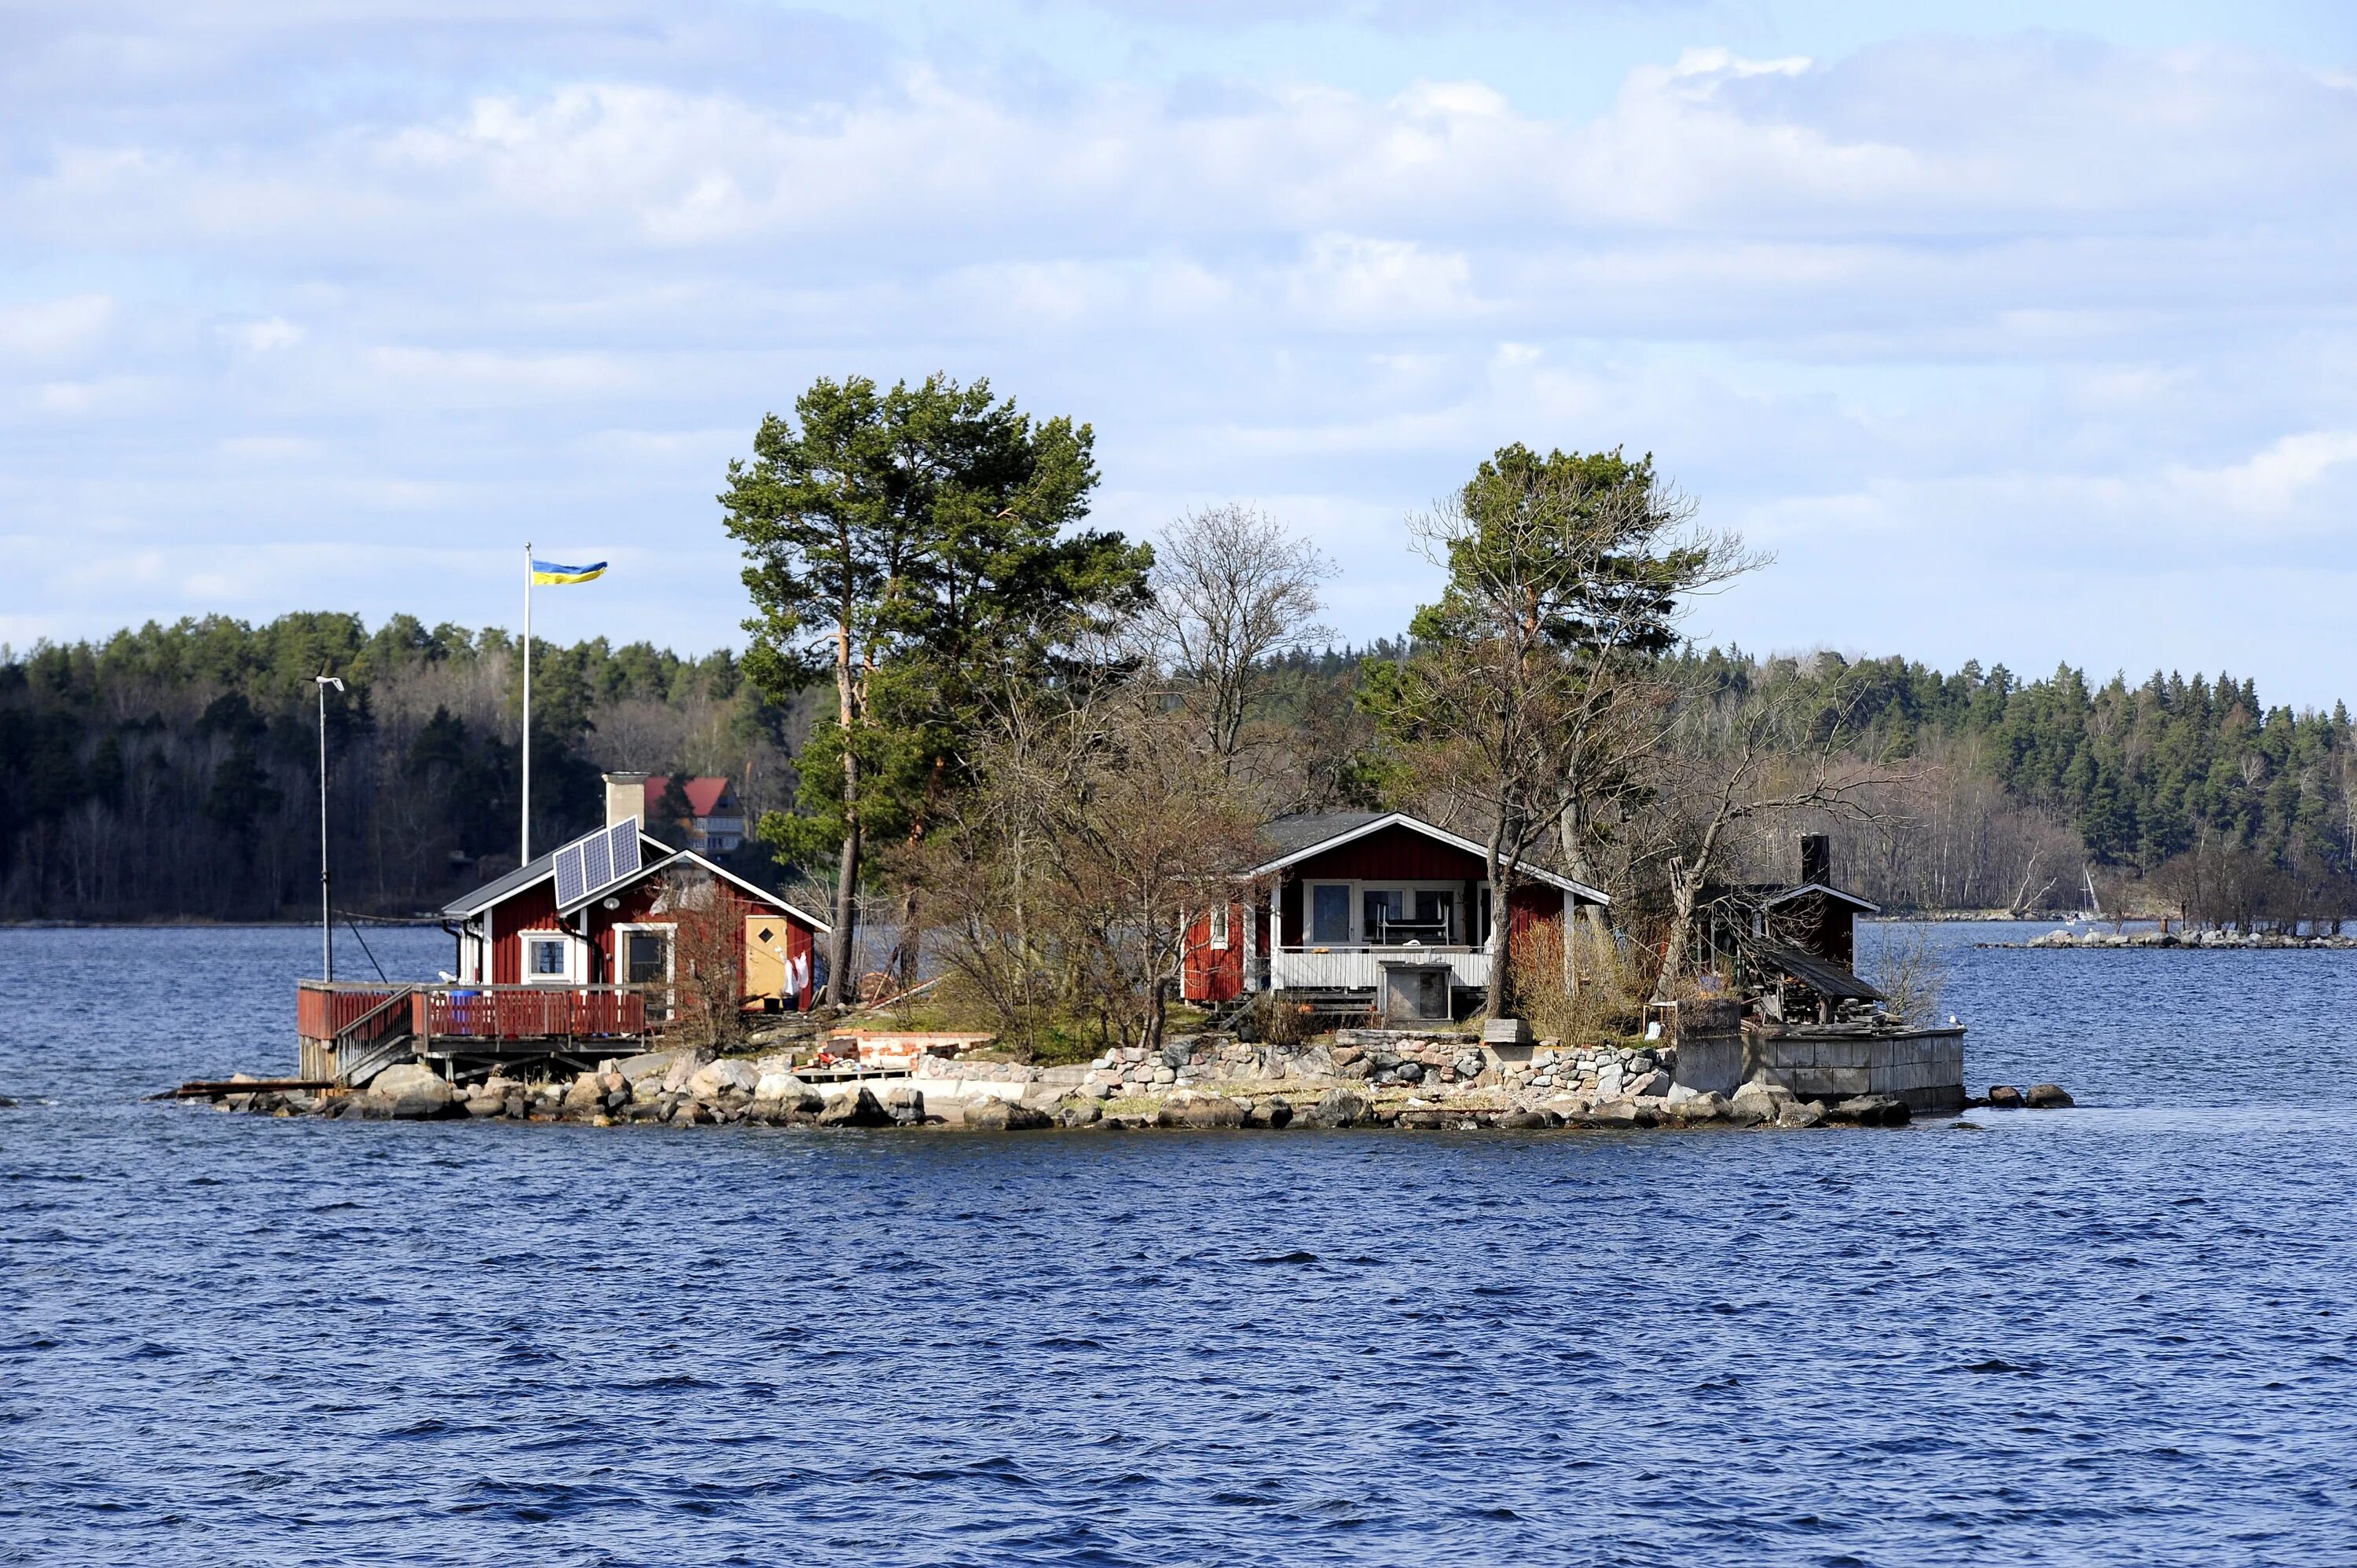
2213 941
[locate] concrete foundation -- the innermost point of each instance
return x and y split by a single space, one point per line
1925 1067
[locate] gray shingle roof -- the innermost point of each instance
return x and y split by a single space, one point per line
1298 833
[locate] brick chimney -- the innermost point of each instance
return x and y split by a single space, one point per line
1817 859
626 797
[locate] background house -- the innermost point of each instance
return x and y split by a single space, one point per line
701 812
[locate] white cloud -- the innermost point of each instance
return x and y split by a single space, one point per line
2273 480
1917 314
51 327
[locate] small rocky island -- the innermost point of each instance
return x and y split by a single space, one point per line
1711 1073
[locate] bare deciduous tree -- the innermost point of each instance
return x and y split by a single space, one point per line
1232 588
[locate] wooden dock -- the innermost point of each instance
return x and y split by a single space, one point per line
348 1032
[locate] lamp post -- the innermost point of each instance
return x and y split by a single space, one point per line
327 931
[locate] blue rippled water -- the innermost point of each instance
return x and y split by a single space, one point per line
2119 1335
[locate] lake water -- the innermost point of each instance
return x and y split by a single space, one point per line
2119 1335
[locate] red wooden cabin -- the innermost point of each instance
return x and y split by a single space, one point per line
1353 898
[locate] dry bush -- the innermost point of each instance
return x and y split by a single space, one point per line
1910 970
707 962
1271 1020
1609 1001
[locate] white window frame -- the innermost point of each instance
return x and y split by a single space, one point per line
1467 918
574 948
622 930
1219 927
1310 940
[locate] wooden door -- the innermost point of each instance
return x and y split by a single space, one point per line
768 958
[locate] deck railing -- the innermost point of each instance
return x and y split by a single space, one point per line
347 1019
1338 968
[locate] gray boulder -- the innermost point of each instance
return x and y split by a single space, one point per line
405 1078
718 1078
1200 1111
1699 1108
1275 1112
487 1105
685 1065
1757 1101
1309 1061
2048 1097
649 1065
1653 1085
1339 1107
1081 1112
1525 1120
859 1108
1006 1116
1870 1111
1800 1113
2003 1096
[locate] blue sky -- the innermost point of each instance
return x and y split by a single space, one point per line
2021 332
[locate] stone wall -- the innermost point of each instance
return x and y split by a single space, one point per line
1924 1068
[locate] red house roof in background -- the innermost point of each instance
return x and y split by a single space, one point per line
703 795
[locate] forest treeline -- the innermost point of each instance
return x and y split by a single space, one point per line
171 771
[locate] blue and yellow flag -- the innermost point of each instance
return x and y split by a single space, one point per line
550 571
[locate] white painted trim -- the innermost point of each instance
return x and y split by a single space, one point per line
1310 937
1417 824
689 856
576 957
671 947
1850 898
1221 935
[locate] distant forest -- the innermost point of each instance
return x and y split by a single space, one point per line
171 771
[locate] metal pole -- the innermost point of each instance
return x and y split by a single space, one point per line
326 928
526 858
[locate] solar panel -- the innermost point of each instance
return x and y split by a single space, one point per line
624 838
597 862
571 883
594 862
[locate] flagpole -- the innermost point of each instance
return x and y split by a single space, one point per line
526 858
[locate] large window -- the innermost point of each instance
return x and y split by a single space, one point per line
646 957
1330 912
1392 916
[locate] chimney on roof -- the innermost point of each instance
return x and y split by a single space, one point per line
626 798
1817 859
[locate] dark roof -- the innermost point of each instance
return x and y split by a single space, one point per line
1820 975
524 875
1831 892
1298 832
499 887
1299 837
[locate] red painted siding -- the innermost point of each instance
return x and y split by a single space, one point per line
1215 974
1394 852
533 908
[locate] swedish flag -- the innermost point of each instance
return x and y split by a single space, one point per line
550 571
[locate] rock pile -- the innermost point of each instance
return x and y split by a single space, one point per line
2202 939
1356 1078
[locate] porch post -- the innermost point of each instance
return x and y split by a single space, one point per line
1570 966
1276 928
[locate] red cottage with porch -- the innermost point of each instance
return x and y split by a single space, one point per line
1376 909
575 956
